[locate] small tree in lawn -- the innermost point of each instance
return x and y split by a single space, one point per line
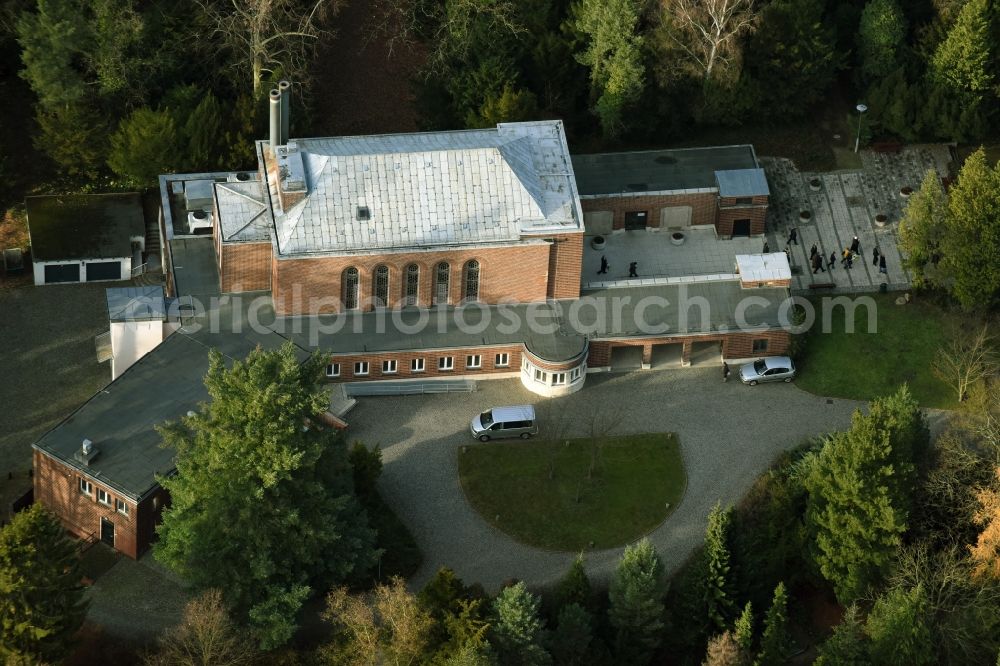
774 640
262 504
41 600
716 583
206 635
517 627
636 595
967 359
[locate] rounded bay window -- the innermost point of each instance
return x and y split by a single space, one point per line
553 378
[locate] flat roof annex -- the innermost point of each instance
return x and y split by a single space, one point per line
75 227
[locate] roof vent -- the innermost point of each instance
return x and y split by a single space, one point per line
86 453
364 213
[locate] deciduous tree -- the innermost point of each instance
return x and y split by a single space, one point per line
897 627
636 593
262 502
880 38
206 636
724 650
964 60
922 226
986 551
708 33
41 599
967 359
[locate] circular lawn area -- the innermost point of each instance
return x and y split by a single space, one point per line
574 494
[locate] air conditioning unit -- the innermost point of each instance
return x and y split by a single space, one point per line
240 177
199 221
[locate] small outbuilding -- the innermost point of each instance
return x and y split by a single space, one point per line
85 237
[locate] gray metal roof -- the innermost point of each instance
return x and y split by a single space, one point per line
84 226
243 213
658 170
136 303
426 189
742 183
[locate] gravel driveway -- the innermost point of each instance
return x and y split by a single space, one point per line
729 434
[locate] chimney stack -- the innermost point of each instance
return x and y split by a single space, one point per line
275 98
285 88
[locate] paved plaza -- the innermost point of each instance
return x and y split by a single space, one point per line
846 205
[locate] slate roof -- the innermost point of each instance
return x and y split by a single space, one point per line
742 183
426 189
136 304
658 170
243 213
84 226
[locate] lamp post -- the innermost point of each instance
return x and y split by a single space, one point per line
861 111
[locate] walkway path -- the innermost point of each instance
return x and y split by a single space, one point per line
729 434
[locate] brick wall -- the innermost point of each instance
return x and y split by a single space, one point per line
245 267
518 272
57 487
430 358
565 265
756 215
703 207
734 345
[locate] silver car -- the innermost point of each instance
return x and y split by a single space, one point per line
770 369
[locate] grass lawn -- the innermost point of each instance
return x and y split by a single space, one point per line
634 479
864 365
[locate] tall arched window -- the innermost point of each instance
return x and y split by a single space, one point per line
442 277
412 285
349 287
380 286
470 289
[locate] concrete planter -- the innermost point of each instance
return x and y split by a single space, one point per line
815 184
881 220
677 238
906 192
598 243
805 216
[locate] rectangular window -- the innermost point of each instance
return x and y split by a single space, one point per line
121 507
574 374
446 363
86 487
389 367
558 378
503 361
541 376
417 365
103 497
473 362
760 346
361 368
332 369
744 201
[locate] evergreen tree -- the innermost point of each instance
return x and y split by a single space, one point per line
41 600
724 650
880 38
55 41
897 627
204 133
922 226
571 639
69 134
574 588
859 493
146 145
743 630
774 640
510 106
517 630
613 52
964 59
847 645
261 506
717 585
636 595
970 243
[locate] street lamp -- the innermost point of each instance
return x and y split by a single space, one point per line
861 111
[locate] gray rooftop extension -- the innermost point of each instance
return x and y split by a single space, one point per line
742 183
136 304
658 170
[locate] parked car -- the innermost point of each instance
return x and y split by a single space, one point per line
503 422
770 369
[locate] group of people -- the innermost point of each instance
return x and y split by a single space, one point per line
632 267
846 258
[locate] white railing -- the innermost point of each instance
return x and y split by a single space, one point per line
139 270
102 344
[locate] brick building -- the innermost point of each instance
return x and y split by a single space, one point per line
418 258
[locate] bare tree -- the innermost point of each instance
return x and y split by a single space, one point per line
708 32
205 635
986 551
269 36
967 359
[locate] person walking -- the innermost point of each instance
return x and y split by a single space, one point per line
604 265
631 269
846 259
817 262
813 251
833 261
793 237
856 246
725 371
875 254
881 264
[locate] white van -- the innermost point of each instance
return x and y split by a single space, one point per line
501 422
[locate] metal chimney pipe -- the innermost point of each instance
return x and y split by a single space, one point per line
285 87
275 107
